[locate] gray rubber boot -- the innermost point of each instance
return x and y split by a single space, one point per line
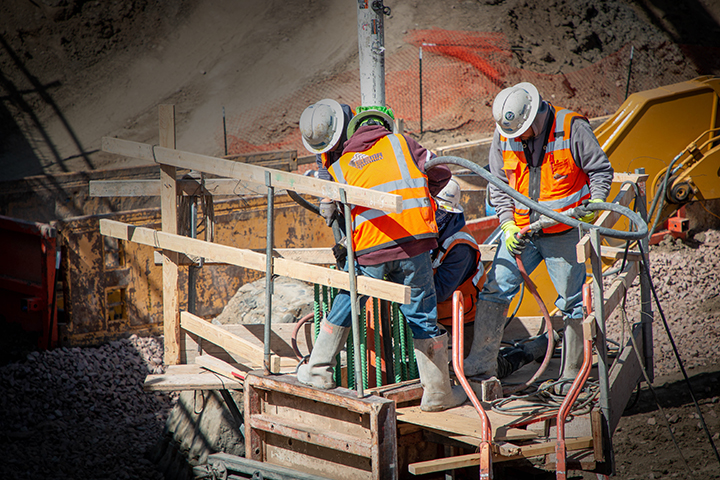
318 371
432 361
490 318
572 354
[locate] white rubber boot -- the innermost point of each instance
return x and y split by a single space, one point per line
490 318
318 371
572 354
432 361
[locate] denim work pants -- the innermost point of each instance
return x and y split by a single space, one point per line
415 272
558 251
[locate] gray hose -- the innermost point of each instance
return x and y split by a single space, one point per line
640 225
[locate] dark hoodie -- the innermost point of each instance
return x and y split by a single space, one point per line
363 139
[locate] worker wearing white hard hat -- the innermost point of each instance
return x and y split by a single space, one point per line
549 154
323 126
457 267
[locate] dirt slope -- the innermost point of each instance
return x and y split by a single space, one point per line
76 70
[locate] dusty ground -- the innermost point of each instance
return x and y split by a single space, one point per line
72 71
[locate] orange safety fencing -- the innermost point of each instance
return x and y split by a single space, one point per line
461 74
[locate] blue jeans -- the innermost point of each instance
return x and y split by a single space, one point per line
558 251
415 272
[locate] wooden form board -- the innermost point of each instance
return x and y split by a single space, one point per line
152 188
473 459
188 377
228 341
169 216
464 420
245 258
254 174
281 335
331 433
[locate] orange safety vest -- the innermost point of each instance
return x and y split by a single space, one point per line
470 287
563 185
387 167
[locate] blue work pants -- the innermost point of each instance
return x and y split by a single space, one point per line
415 272
558 251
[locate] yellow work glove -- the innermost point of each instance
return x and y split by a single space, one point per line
588 216
514 244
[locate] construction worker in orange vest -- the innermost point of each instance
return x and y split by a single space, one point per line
457 266
550 155
392 246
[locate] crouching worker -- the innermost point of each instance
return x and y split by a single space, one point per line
457 266
391 246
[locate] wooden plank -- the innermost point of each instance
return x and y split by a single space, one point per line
188 377
473 459
464 420
630 177
306 433
150 188
624 376
256 174
228 341
216 365
606 219
168 212
317 256
288 157
393 292
620 285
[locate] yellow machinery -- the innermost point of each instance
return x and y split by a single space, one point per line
674 127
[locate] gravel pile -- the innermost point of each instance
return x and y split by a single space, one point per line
82 413
686 276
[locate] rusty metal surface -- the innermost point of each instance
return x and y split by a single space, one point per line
114 288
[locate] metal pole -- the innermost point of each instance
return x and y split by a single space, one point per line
224 132
646 317
601 345
268 272
371 49
353 294
421 92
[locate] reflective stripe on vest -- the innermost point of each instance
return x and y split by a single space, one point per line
563 185
469 288
387 167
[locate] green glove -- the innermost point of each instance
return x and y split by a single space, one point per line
514 244
590 216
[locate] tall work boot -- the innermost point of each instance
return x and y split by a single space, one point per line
318 371
572 354
432 361
488 331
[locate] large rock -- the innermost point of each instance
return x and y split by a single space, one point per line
292 299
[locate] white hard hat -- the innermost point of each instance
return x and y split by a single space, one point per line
449 197
321 125
515 108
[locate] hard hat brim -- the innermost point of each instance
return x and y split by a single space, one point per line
353 124
337 110
534 107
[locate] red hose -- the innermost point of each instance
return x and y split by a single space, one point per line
293 339
548 326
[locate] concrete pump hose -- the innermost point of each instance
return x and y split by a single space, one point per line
641 228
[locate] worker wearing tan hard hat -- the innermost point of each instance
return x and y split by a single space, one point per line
549 154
